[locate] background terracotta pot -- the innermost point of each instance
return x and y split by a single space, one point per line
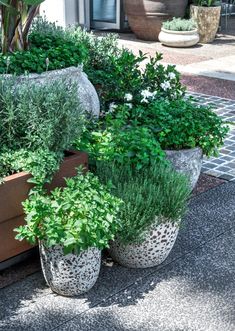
15 190
145 17
207 19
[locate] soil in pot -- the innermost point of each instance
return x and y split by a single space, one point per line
157 245
71 274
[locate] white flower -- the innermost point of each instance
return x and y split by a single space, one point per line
128 97
146 94
112 107
129 105
165 85
171 75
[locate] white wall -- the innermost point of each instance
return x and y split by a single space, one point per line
64 12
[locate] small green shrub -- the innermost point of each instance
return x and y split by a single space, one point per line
36 115
82 215
153 192
122 144
179 124
41 164
179 24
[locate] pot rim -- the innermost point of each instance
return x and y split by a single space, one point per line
206 8
191 32
184 150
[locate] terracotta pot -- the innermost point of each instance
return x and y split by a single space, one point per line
70 274
158 243
15 190
145 17
187 162
179 38
207 19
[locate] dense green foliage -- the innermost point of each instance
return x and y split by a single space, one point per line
41 164
36 115
134 145
179 24
177 124
82 215
153 193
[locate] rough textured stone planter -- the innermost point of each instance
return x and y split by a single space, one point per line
153 251
188 162
207 19
15 190
87 94
71 274
179 38
145 17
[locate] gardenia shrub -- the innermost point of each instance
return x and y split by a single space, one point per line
178 124
179 24
155 192
83 214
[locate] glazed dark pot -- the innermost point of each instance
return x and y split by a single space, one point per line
146 16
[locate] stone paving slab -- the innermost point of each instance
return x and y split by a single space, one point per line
30 305
222 166
196 293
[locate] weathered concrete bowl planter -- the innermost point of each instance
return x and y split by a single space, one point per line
179 38
70 274
188 162
157 245
207 19
86 92
15 190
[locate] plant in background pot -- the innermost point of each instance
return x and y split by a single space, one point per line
146 17
155 200
179 33
206 13
72 225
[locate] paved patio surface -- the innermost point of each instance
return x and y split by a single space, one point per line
193 290
222 166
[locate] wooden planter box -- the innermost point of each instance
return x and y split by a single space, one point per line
15 190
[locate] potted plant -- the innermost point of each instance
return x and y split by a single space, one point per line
38 123
155 200
179 33
183 130
145 17
41 47
72 225
206 13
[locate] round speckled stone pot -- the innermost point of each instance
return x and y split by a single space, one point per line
71 274
178 38
157 245
188 162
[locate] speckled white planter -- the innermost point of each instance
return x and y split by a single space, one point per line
71 274
87 94
188 162
153 251
179 38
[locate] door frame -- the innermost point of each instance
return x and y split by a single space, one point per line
103 25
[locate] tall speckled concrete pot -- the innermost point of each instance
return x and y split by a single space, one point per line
188 162
71 274
157 245
207 19
87 94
